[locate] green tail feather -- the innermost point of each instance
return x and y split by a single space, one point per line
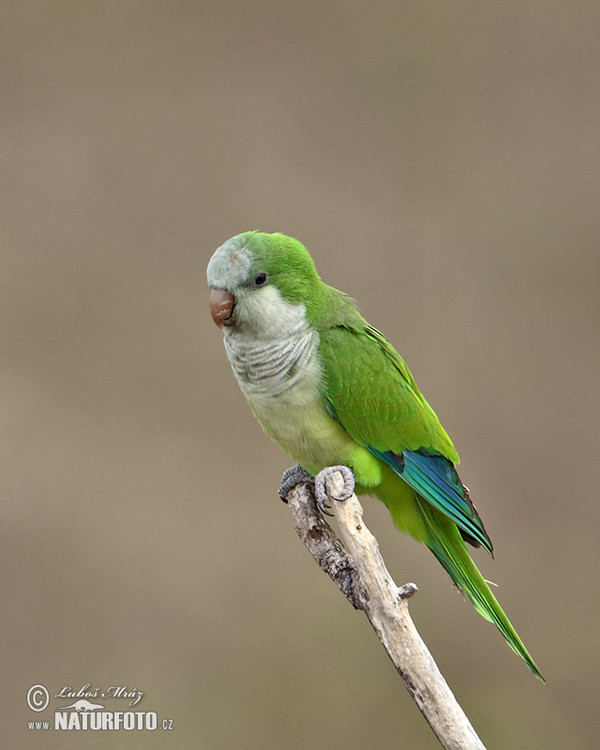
447 545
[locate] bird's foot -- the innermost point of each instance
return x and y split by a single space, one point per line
296 474
321 489
291 477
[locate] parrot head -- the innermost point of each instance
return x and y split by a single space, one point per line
259 282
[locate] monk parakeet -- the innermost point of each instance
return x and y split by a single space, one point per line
330 389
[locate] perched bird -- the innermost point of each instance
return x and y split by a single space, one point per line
330 389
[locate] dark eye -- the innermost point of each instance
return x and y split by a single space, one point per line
260 279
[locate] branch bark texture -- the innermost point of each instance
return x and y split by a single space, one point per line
358 570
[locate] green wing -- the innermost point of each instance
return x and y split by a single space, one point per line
371 392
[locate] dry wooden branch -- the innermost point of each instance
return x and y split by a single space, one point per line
357 568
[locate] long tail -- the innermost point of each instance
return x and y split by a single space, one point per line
447 545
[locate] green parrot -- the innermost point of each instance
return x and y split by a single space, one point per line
330 390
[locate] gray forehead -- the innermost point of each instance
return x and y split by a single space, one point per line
230 264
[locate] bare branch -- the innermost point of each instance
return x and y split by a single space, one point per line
358 570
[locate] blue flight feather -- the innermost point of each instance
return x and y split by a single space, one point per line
435 479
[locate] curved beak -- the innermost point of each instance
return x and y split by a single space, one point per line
222 307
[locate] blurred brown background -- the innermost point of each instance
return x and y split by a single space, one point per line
442 163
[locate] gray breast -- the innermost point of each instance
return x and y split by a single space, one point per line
274 367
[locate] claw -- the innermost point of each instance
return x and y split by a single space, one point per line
291 477
321 490
324 511
321 498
